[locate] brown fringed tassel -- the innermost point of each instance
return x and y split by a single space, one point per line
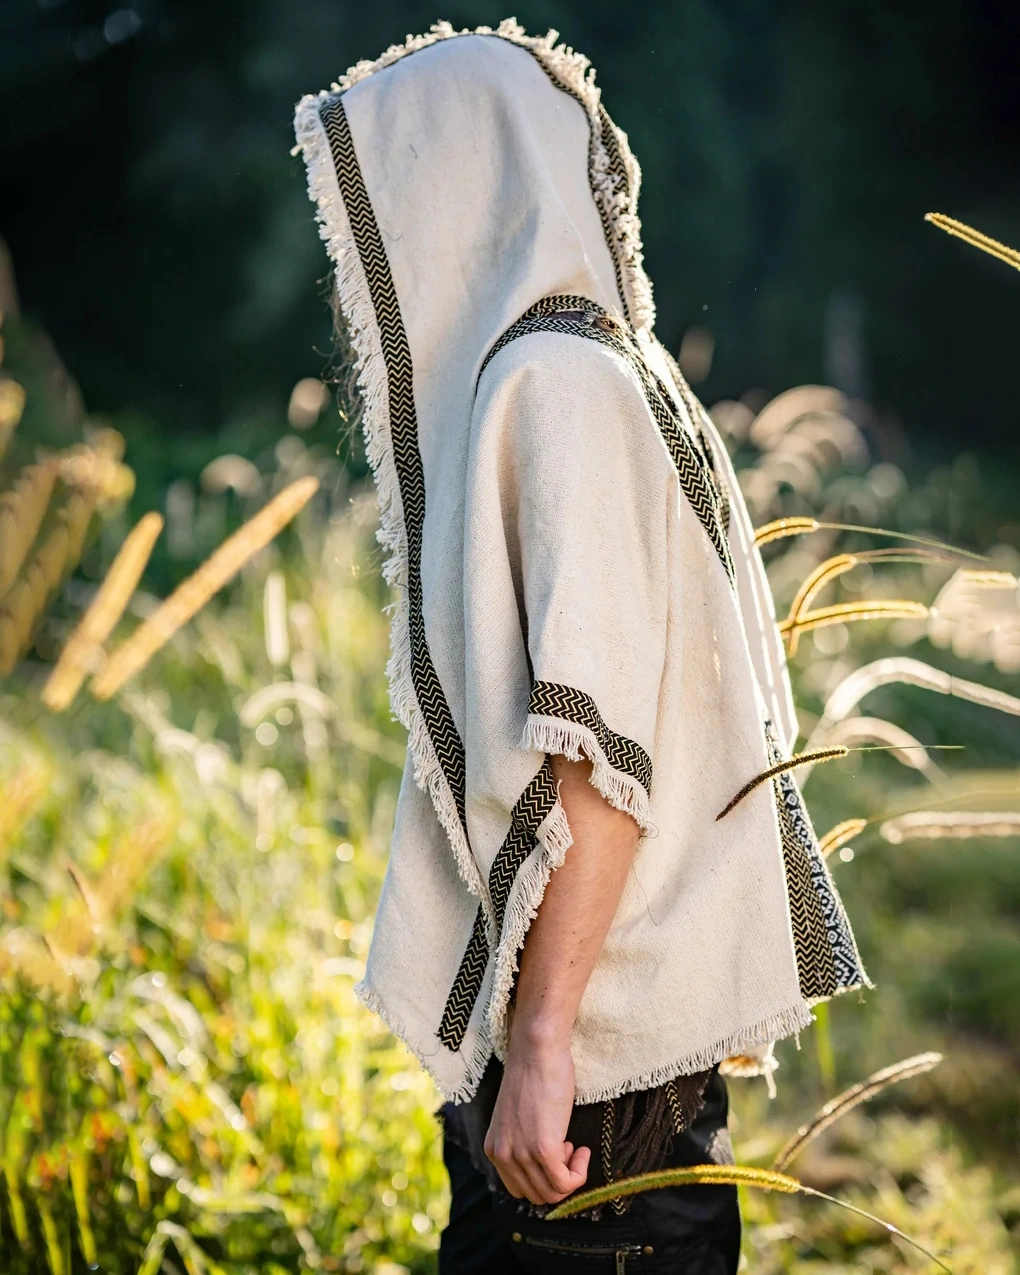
638 1128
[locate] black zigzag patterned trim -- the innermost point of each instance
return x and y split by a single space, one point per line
404 432
696 413
466 986
549 699
579 316
531 808
827 959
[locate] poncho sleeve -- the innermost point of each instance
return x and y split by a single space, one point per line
588 505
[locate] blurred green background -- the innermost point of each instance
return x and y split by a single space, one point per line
188 872
161 233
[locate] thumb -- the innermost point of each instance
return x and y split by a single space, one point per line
577 1165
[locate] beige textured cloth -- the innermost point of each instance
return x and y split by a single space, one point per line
574 572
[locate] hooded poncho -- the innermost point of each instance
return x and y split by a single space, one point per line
574 573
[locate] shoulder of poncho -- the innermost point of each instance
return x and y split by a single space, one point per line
563 357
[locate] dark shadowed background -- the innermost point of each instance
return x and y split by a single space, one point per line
160 231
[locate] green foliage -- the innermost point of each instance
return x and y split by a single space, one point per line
183 1059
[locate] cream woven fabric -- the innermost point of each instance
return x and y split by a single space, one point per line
555 509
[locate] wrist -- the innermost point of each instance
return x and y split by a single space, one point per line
540 1034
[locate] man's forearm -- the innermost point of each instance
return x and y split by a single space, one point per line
580 901
527 1137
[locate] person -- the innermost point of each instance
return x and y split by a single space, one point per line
579 929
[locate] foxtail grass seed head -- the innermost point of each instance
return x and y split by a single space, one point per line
189 598
840 835
851 612
989 579
699 1174
975 238
12 405
931 825
727 1174
22 510
831 569
783 527
863 1091
83 649
801 759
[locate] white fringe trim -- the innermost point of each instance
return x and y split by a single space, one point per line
554 840
567 739
775 1027
574 73
359 312
474 1068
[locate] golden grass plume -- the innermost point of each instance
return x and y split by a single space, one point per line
840 834
831 569
957 824
975 238
12 404
850 612
721 1174
188 598
23 604
22 510
900 668
783 527
845 1102
84 645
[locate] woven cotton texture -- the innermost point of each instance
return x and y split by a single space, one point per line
573 567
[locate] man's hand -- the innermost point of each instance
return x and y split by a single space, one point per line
526 1137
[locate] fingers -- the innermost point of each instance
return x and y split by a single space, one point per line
543 1176
563 1171
511 1171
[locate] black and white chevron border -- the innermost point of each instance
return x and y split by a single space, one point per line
550 699
404 432
827 960
531 808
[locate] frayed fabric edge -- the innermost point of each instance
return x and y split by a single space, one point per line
476 1065
774 1027
359 312
567 739
554 840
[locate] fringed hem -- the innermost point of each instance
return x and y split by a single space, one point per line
573 72
864 984
476 1065
359 312
775 1027
554 840
567 739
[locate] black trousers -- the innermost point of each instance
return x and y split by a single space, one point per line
690 1230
